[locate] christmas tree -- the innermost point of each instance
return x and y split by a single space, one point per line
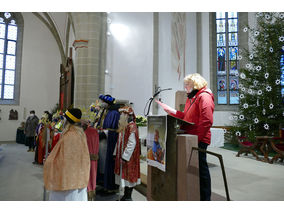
261 108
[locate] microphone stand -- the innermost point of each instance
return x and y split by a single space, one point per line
152 98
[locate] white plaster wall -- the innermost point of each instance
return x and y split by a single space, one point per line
221 118
60 20
39 76
191 44
168 78
130 58
205 48
252 22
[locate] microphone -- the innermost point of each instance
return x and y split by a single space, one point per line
149 102
160 90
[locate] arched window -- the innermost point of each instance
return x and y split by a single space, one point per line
227 60
226 44
11 27
282 74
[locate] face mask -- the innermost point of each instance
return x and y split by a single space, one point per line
192 93
32 114
104 105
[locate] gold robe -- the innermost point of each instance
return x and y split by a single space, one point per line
68 165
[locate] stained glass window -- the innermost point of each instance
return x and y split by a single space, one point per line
2 45
10 62
7 15
11 49
282 75
221 40
233 25
12 32
220 15
232 15
233 39
13 22
9 77
8 43
227 57
233 53
2 30
8 92
221 26
1 61
1 73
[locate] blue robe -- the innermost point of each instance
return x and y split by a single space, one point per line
110 122
156 146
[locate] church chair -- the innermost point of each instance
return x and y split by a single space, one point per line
247 147
277 144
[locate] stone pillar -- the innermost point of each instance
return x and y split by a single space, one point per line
90 57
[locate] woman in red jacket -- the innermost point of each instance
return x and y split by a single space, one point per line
198 109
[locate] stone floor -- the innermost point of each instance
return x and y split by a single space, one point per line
248 179
20 180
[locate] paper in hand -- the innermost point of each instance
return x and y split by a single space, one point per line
166 107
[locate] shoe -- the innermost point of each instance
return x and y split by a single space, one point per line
128 193
107 192
121 199
35 162
128 199
124 198
90 195
29 150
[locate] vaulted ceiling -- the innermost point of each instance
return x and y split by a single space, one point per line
59 24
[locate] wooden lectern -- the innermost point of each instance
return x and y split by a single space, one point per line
180 181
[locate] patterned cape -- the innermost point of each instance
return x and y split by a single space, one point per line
68 165
131 168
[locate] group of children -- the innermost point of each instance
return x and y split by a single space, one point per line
111 126
47 133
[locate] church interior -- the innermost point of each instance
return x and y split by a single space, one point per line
51 61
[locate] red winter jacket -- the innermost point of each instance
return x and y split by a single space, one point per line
199 110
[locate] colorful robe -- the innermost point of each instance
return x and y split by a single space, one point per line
93 145
111 124
68 165
41 142
128 149
55 139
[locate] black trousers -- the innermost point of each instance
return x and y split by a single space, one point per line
31 142
36 154
204 174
